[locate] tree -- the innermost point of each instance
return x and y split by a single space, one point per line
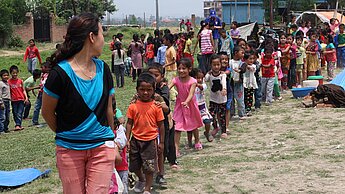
133 19
6 21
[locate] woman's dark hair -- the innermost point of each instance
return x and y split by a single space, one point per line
118 48
186 62
148 78
156 32
3 71
330 38
150 40
202 26
136 39
14 67
78 30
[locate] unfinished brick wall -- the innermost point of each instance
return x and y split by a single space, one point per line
26 31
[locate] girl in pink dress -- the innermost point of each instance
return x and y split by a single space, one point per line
186 114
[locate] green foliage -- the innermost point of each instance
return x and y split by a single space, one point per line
19 10
60 21
133 19
15 41
6 21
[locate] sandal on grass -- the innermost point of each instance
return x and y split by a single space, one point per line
198 146
208 137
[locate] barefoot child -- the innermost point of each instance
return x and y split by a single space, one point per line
5 98
218 96
186 113
144 118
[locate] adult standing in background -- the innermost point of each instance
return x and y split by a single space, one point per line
216 24
77 106
136 50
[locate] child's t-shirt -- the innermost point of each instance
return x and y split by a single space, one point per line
300 53
29 82
119 60
170 54
235 64
218 83
150 51
205 41
200 94
4 91
145 116
267 72
331 57
16 89
188 44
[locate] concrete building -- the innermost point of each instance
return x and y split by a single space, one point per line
213 5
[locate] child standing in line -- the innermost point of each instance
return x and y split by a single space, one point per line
331 57
144 118
5 98
284 47
32 54
29 85
119 64
238 69
169 146
234 32
225 43
218 97
293 56
300 60
205 38
229 92
38 104
150 54
312 48
201 99
180 43
18 97
186 113
268 75
339 41
249 81
257 93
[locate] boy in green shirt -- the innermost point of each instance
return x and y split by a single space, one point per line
29 85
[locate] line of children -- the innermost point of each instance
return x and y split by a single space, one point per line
5 98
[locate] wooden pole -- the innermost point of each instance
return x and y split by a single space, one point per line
248 11
157 16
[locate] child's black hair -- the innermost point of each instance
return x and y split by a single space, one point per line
166 31
118 48
169 38
288 35
156 66
268 48
237 49
281 35
299 38
214 57
294 26
186 62
235 23
148 78
194 73
240 40
32 41
36 73
4 71
342 25
13 67
156 32
247 54
223 53
150 40
47 63
330 38
222 31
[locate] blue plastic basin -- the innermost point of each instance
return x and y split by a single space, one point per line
301 92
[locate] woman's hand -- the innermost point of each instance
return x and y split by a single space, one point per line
185 104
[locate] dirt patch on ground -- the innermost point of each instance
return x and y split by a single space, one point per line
283 148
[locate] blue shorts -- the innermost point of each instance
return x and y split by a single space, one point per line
207 121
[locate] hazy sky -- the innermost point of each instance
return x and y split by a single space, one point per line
173 8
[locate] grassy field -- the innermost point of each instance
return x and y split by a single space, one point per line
283 148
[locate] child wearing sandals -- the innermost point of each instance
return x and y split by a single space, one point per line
201 99
186 114
218 95
229 93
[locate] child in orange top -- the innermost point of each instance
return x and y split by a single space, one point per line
144 118
285 59
150 51
32 54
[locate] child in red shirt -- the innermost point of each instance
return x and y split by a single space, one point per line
268 75
32 54
150 51
18 97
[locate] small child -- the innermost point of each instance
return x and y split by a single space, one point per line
18 97
144 118
257 93
293 56
201 99
187 53
300 60
249 81
268 75
161 55
170 62
5 98
150 51
29 85
339 41
32 54
218 96
312 49
46 66
238 69
119 64
331 56
229 92
225 43
284 47
234 32
186 114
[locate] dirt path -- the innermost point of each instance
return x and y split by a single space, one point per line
281 149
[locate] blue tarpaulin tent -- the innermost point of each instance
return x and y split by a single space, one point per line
339 79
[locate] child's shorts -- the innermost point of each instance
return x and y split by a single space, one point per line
143 155
207 121
228 103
